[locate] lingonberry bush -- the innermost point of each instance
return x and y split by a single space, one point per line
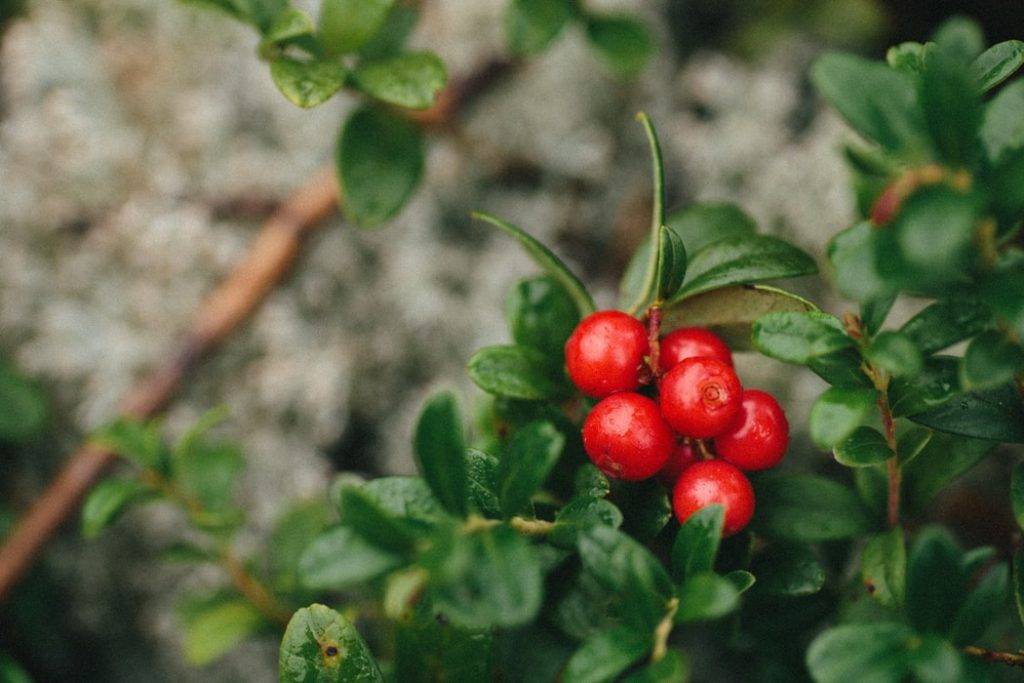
610 503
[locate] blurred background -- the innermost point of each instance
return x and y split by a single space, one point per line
141 145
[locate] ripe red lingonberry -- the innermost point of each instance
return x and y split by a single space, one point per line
626 436
682 456
605 353
691 342
758 437
700 397
712 482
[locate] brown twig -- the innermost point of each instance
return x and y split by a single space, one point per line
267 262
654 340
892 465
1011 658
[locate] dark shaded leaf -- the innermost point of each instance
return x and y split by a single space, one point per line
515 372
623 43
706 597
807 508
995 414
947 322
532 452
987 599
865 447
991 360
838 412
936 584
944 459
542 315
440 450
696 544
605 655
789 570
580 514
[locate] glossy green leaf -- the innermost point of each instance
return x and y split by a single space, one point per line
672 668
741 579
838 412
380 162
744 259
985 600
703 223
137 441
360 512
440 450
936 584
883 567
108 500
696 544
877 101
24 407
544 258
1002 127
531 454
991 360
861 652
951 102
842 368
340 558
515 372
289 24
911 442
321 646
580 514
542 315
864 447
799 337
996 64
408 80
789 570
623 43
705 597
730 312
307 83
671 264
943 460
807 508
486 579
347 25
407 497
605 655
895 353
947 322
650 289
995 414
874 312
213 626
934 386
482 473
853 254
531 25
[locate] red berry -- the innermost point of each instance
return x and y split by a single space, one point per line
626 437
713 482
606 353
690 342
681 457
700 397
758 437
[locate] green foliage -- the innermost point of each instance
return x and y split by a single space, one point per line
24 410
215 624
321 645
441 452
107 501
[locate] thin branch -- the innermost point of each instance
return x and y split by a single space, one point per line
663 631
265 266
1010 658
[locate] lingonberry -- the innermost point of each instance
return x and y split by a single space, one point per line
700 397
682 456
691 342
758 437
713 482
605 353
626 436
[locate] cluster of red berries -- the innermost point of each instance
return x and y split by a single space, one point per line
699 432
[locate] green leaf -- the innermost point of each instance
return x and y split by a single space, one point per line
908 57
987 599
623 43
590 481
672 668
741 579
347 25
393 34
696 544
408 497
952 108
877 101
799 337
671 264
995 414
807 508
360 512
340 558
744 259
853 254
895 353
730 312
212 626
293 533
1018 583
531 25
1017 493
645 508
861 652
544 258
580 514
207 471
789 570
1002 127
934 237
515 372
996 64
321 646
991 360
943 460
838 412
532 452
874 312
1003 288
947 322
934 386
883 567
107 501
380 162
440 450
486 579
289 24
542 315
704 223
843 368
409 80
936 584
705 597
961 38
665 257
137 441
12 672
912 442
24 407
482 471
307 84
428 651
605 655
864 448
